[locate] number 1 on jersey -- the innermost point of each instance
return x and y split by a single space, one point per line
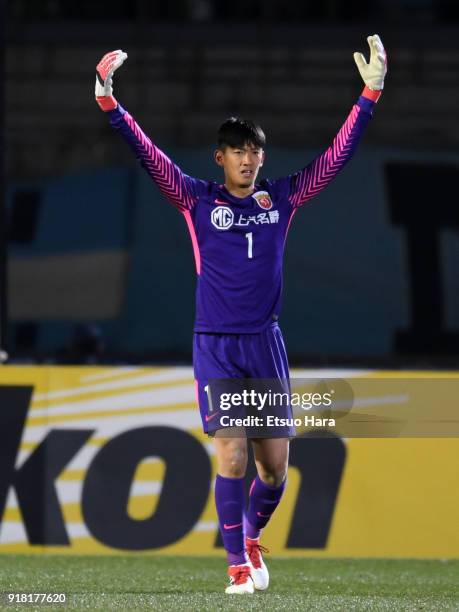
249 237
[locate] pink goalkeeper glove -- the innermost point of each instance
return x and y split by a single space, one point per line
104 78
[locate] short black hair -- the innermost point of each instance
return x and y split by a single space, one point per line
236 132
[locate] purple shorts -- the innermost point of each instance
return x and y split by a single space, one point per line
237 356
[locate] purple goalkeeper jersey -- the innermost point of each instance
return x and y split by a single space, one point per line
239 243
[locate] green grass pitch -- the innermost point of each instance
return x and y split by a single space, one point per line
197 583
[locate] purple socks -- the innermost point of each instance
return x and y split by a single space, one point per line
263 500
229 499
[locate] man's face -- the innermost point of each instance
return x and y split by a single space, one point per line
240 164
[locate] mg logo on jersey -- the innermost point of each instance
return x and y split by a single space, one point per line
263 199
222 217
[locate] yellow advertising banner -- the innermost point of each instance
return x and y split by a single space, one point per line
107 460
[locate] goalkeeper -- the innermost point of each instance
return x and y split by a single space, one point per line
238 231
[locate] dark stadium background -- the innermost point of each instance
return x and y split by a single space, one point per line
100 267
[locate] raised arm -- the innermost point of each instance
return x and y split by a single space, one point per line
308 182
180 189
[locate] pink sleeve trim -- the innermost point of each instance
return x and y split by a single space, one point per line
194 240
322 170
164 172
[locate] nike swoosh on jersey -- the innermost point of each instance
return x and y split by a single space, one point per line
217 201
208 418
263 515
225 526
